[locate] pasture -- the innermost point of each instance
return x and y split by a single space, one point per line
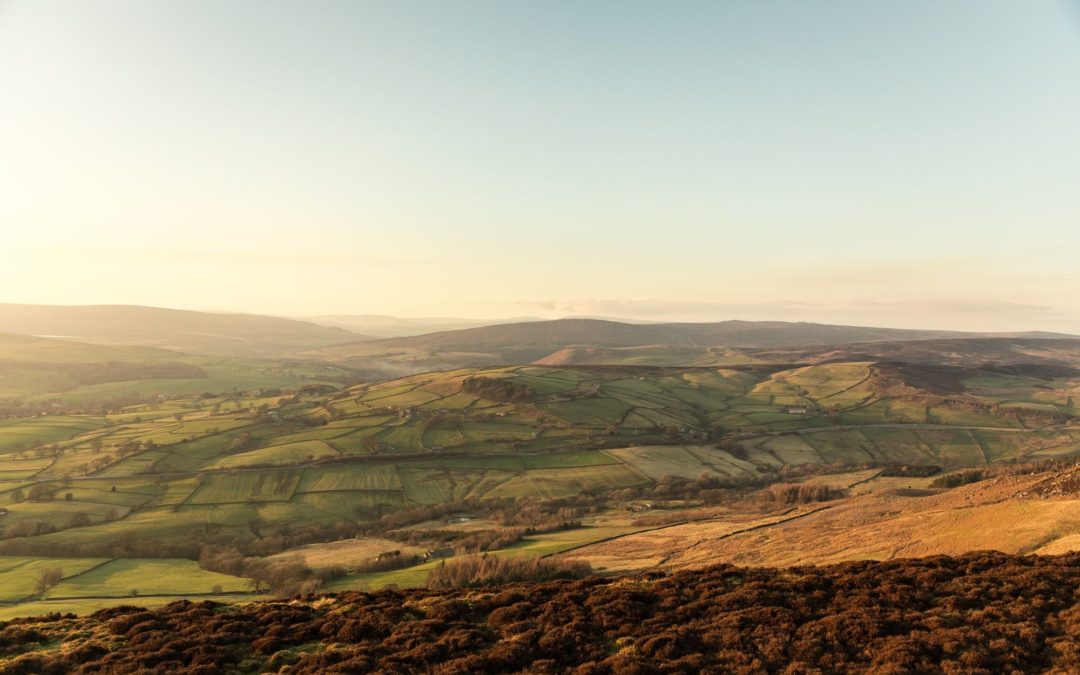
253 465
88 584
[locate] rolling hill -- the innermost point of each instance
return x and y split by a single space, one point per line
594 341
883 518
977 352
31 349
33 365
540 459
47 374
179 330
511 432
380 326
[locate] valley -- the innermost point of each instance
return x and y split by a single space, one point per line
259 477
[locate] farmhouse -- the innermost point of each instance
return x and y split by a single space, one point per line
796 410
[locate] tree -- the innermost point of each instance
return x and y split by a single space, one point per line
18 496
79 519
40 493
47 578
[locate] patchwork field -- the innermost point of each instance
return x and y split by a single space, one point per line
521 432
265 465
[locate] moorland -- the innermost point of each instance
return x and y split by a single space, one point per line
976 613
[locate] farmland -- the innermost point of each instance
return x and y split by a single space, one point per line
274 469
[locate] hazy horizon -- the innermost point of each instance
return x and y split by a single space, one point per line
909 165
409 325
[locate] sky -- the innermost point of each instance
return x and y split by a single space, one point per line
913 163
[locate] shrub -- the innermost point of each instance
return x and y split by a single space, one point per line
489 570
802 493
959 478
911 470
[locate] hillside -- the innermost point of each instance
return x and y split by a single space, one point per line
379 326
29 349
980 352
47 374
180 330
885 517
537 338
646 355
598 342
271 471
981 612
33 365
541 459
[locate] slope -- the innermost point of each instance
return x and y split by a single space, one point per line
971 352
886 518
525 342
181 330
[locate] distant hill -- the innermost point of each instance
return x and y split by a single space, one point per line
79 376
969 352
32 349
180 330
380 326
532 338
584 341
35 365
647 355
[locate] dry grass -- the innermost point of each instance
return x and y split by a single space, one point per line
888 523
347 553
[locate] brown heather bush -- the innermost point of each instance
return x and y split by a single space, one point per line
982 613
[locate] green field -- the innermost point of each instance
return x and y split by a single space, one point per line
285 454
234 465
253 486
186 464
146 577
89 584
350 477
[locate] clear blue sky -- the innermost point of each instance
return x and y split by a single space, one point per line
909 163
